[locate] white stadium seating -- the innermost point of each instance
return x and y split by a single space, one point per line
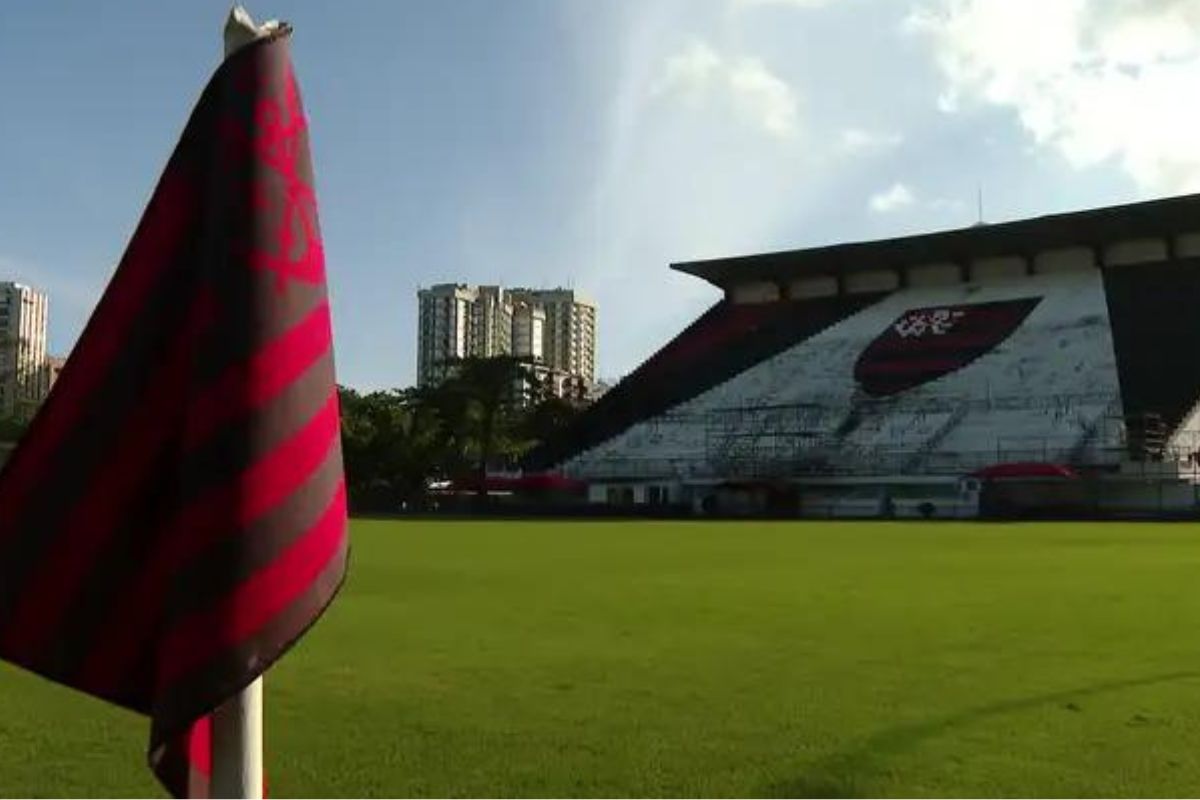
1047 392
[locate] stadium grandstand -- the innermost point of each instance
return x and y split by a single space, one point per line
1049 365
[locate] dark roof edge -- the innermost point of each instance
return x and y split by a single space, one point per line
1164 216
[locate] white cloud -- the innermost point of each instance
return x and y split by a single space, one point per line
1095 80
894 198
765 97
691 72
700 160
699 74
856 141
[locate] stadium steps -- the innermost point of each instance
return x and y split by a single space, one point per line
931 444
1091 432
725 341
1191 412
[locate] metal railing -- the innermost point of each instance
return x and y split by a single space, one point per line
1180 458
876 463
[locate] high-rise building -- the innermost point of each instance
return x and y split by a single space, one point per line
555 329
569 337
491 323
443 329
24 372
528 330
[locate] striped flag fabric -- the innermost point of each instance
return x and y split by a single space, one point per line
175 517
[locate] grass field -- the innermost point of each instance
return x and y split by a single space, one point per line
670 658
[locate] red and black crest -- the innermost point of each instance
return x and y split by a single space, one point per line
923 344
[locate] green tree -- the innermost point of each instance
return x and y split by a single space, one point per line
12 428
488 412
548 418
390 447
487 398
448 414
14 415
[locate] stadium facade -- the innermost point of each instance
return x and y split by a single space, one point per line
1050 364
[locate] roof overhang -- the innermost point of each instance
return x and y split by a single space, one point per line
1095 227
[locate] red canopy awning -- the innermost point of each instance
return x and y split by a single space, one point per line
1026 469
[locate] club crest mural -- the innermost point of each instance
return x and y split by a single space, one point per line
924 344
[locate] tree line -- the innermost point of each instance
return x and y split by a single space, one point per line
396 443
483 417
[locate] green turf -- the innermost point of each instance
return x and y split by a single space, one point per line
668 659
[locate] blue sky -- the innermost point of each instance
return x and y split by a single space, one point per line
591 144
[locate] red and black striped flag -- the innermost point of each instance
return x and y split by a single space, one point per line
175 517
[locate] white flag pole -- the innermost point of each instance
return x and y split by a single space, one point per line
237 724
237 745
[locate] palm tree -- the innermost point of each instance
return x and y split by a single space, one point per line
484 398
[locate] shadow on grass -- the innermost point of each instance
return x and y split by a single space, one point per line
847 774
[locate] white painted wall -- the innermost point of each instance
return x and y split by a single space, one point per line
1064 259
1135 251
759 292
1139 496
807 288
984 270
926 275
873 281
1187 245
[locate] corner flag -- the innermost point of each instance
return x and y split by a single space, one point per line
175 517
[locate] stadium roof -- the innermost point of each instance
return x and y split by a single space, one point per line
1098 226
